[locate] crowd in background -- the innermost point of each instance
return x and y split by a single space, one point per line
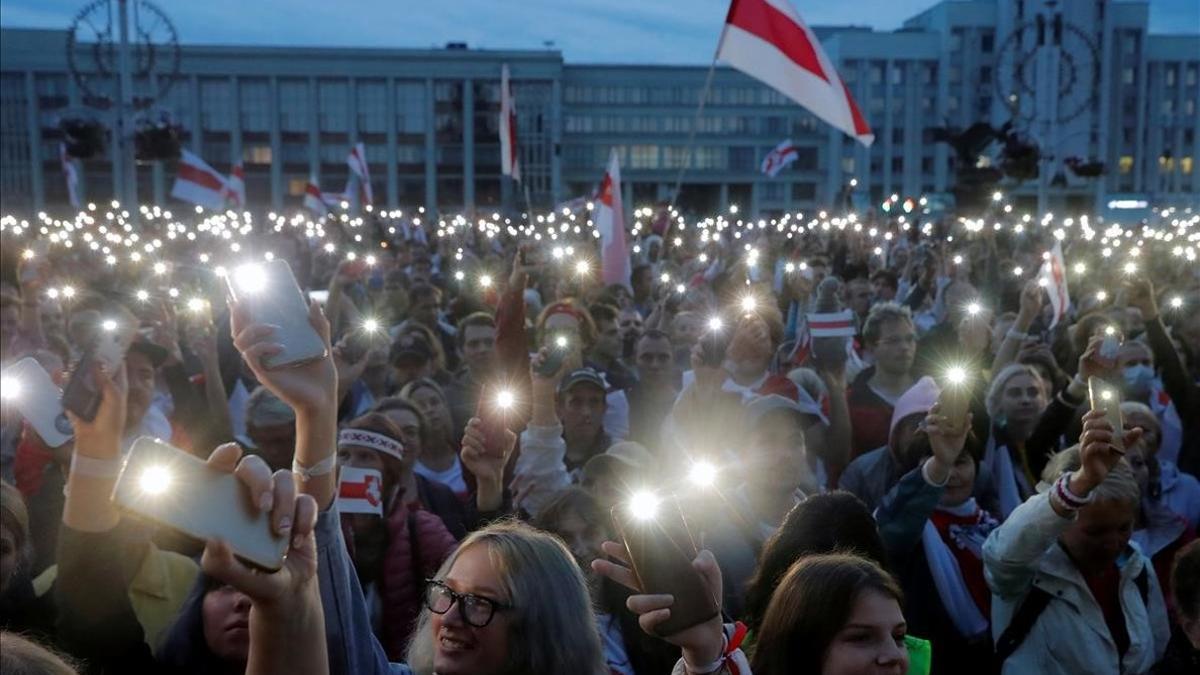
845 523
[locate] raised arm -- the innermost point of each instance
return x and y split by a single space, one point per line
1032 297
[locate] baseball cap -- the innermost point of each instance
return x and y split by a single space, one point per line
582 376
409 348
621 458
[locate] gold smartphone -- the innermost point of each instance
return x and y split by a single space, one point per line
661 551
271 294
170 487
1106 397
954 400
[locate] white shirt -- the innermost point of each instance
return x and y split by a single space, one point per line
451 478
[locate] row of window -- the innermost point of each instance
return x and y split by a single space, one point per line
673 95
1166 164
737 125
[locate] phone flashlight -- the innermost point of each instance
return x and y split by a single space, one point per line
196 305
10 388
370 325
1130 268
1176 302
561 342
581 267
68 292
250 278
715 324
749 303
666 278
1101 295
643 505
109 325
460 275
956 375
505 399
155 480
485 281
703 474
974 308
680 289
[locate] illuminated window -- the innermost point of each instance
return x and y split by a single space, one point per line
1166 164
257 154
1185 165
296 186
1126 164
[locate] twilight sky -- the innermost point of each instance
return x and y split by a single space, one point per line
587 31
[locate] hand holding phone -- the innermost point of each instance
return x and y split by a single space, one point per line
271 296
110 340
954 400
178 490
1107 398
660 550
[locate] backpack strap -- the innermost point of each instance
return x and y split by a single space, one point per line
1022 622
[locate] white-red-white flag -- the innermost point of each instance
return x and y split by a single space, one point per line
236 191
1053 277
785 153
314 199
70 173
831 324
199 183
360 491
510 161
767 40
357 160
610 223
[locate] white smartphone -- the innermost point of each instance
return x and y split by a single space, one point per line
271 294
170 487
39 401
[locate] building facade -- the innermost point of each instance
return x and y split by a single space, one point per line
428 118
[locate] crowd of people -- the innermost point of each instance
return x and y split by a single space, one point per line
848 519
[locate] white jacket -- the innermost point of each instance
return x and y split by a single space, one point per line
1070 637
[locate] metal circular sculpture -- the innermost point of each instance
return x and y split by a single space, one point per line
1078 76
93 43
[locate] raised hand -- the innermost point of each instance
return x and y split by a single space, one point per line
101 438
946 443
1032 297
701 644
1097 453
310 386
1091 364
486 455
1139 293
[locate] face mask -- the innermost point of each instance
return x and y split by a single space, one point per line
1138 379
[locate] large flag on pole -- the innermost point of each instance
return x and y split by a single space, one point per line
236 192
357 159
767 40
199 183
610 223
1053 277
510 161
785 153
70 173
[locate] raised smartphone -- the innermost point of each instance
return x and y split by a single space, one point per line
714 342
954 400
661 551
558 346
39 401
1104 396
271 295
170 487
110 340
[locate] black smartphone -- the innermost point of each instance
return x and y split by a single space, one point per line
661 550
110 341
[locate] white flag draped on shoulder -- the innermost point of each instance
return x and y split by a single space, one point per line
510 160
236 191
767 40
199 183
785 153
1053 277
610 223
70 173
357 160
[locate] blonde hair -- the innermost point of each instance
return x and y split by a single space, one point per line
1119 485
996 389
21 656
553 629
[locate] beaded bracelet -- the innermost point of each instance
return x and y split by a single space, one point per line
321 468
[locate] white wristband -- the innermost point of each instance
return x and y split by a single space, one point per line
715 665
95 468
321 468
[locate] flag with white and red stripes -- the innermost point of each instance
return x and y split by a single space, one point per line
70 173
831 324
785 153
1053 277
767 40
199 183
236 190
610 223
357 160
314 199
360 491
510 160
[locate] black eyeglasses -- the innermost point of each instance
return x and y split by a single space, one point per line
476 610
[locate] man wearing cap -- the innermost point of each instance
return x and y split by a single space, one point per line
582 403
411 357
617 472
759 483
871 475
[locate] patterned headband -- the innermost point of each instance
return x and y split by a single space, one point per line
372 440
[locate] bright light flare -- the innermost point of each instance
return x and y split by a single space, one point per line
582 267
974 308
505 399
956 375
715 323
197 305
10 388
749 303
109 325
1176 302
155 480
561 342
485 280
643 505
250 278
703 474
370 325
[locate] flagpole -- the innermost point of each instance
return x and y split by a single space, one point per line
687 161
